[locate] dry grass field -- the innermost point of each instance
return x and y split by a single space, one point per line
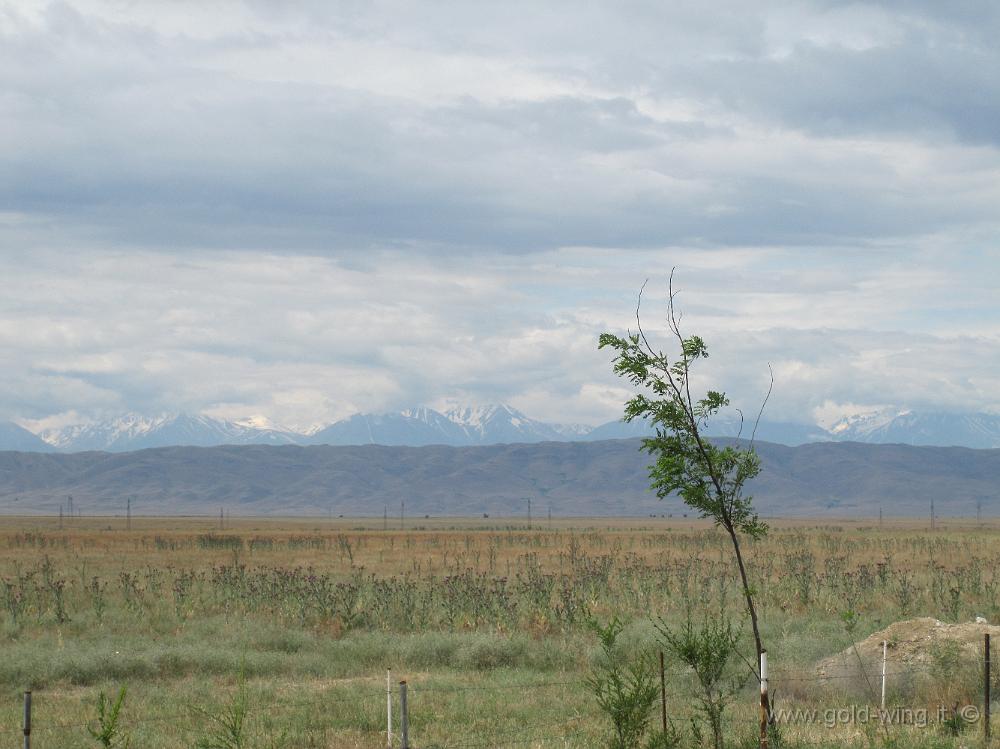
293 623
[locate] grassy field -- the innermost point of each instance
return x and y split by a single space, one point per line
295 622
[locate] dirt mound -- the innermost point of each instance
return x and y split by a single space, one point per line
913 645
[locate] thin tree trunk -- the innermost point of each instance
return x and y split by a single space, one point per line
746 590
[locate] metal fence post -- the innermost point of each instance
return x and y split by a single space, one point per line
27 720
663 694
986 690
404 720
388 708
885 657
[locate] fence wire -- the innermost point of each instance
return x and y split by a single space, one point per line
369 695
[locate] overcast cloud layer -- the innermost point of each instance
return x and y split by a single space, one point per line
302 213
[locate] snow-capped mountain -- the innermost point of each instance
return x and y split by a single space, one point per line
496 424
907 427
572 432
468 425
136 432
484 425
416 427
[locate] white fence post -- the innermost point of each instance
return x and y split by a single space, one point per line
885 651
388 708
765 708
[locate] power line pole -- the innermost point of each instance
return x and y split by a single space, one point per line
222 522
385 518
550 516
933 522
529 513
402 513
128 514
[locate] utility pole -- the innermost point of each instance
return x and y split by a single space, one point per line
402 513
69 502
880 517
933 522
222 522
529 513
550 516
60 516
128 514
385 518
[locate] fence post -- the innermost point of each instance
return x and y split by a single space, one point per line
765 707
27 720
986 691
404 721
663 694
388 708
885 652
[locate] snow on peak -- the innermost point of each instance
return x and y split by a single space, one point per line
258 421
421 413
866 422
477 417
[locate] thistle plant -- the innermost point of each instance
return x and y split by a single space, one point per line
108 733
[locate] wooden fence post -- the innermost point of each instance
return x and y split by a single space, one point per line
27 720
404 720
765 707
986 691
663 694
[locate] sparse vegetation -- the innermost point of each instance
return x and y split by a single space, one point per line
501 609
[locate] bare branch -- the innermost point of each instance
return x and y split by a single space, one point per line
638 323
770 387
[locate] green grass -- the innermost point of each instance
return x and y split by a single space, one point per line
489 629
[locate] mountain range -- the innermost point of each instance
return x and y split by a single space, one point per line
595 478
483 425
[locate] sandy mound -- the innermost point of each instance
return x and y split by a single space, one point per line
912 645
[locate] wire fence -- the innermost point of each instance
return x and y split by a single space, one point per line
375 713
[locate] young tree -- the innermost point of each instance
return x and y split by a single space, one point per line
707 649
708 477
625 688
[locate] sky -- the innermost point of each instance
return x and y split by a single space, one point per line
305 210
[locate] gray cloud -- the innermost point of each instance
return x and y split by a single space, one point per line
306 211
305 339
468 126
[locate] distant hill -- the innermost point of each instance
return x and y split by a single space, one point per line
574 478
780 432
13 437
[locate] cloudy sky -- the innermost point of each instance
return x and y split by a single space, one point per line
304 210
